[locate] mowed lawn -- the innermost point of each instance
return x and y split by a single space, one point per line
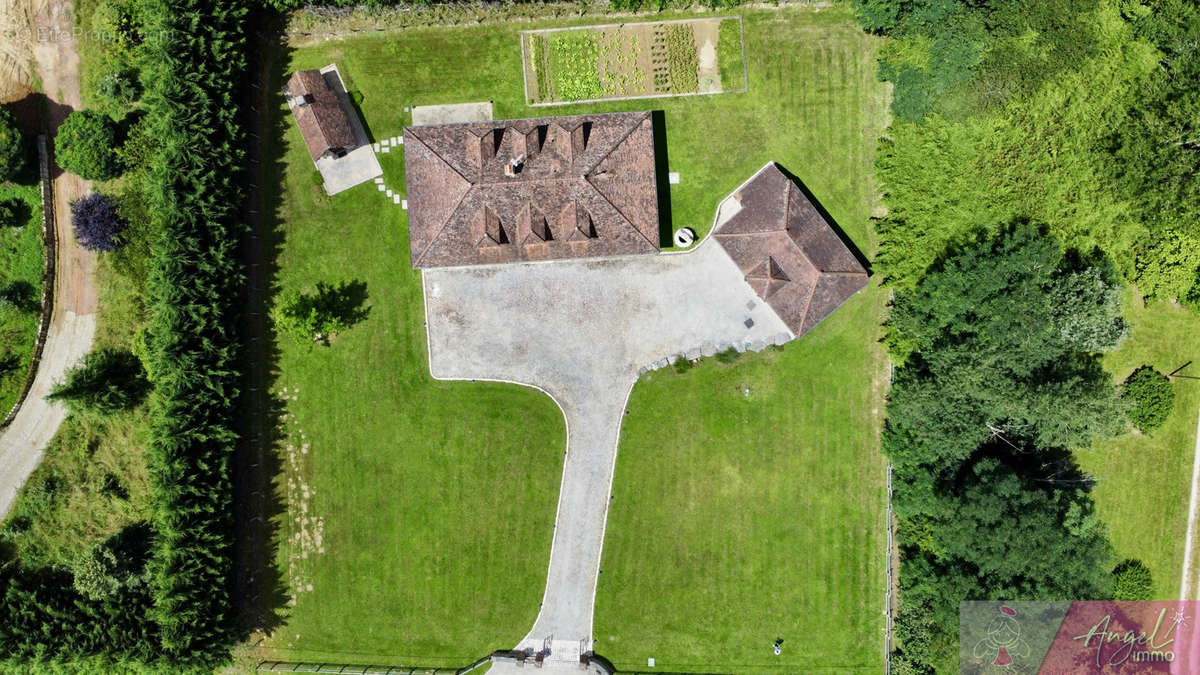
430 505
1143 482
435 499
750 497
749 505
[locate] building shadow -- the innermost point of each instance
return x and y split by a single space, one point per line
666 227
260 593
833 225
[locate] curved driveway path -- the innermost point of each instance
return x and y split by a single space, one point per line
582 331
73 322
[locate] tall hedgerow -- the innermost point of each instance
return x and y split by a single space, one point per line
194 194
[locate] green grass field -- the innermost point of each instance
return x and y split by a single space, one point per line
762 517
20 265
433 501
1143 482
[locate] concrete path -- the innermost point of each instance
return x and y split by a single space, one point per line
582 331
73 323
1189 584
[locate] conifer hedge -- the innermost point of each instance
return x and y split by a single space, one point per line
181 620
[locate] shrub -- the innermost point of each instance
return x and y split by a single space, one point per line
8 214
9 364
19 295
1151 397
12 146
98 227
118 89
682 365
1131 581
316 316
86 145
103 383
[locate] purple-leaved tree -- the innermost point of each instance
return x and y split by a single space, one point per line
97 225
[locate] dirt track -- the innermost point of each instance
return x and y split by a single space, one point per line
73 323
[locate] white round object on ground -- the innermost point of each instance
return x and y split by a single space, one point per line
684 237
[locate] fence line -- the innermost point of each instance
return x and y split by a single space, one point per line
49 249
354 669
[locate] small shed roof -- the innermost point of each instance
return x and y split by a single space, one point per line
319 114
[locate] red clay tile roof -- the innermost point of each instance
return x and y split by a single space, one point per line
322 121
586 187
789 253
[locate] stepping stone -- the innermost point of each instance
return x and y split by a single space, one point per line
382 187
396 140
385 149
395 199
376 146
404 204
389 194
384 143
673 178
379 180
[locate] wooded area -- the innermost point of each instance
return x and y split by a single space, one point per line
1041 157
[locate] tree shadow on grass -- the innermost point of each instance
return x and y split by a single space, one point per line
258 588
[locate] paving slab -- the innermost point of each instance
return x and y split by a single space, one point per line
452 114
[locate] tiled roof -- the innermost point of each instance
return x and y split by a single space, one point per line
789 253
531 189
322 120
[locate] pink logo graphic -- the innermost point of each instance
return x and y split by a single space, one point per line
1003 640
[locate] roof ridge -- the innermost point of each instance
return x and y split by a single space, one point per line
812 291
450 212
619 211
612 148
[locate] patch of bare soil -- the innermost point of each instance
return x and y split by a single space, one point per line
16 33
706 34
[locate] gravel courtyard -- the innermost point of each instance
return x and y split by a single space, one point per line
583 331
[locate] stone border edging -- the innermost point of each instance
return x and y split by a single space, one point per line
50 252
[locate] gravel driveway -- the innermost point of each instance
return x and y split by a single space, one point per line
582 331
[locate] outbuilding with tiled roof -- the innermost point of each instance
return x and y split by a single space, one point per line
789 253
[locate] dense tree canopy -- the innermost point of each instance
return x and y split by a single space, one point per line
1000 378
999 340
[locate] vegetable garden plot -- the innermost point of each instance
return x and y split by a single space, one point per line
633 60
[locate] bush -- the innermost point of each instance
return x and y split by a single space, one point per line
1131 581
103 383
12 146
316 316
98 227
86 145
19 295
683 364
1151 397
118 89
9 215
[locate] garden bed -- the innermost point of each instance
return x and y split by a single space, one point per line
633 60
